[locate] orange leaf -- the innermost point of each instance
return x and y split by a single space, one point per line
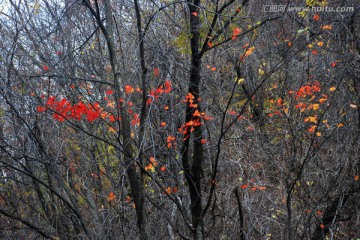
196 113
163 124
356 178
168 190
322 226
311 119
194 14
315 106
163 168
316 17
128 89
312 128
153 161
111 197
326 27
112 129
332 89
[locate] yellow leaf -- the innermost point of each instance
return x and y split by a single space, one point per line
239 80
318 134
302 14
315 106
310 2
332 89
327 27
261 72
320 44
311 119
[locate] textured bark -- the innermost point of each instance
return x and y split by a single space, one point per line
193 164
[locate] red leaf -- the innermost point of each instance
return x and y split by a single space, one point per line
316 17
46 68
194 14
156 72
109 92
41 109
236 33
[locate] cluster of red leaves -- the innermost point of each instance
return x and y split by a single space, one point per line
155 94
190 99
170 140
197 116
152 164
128 89
170 190
111 197
309 89
64 110
235 33
253 187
